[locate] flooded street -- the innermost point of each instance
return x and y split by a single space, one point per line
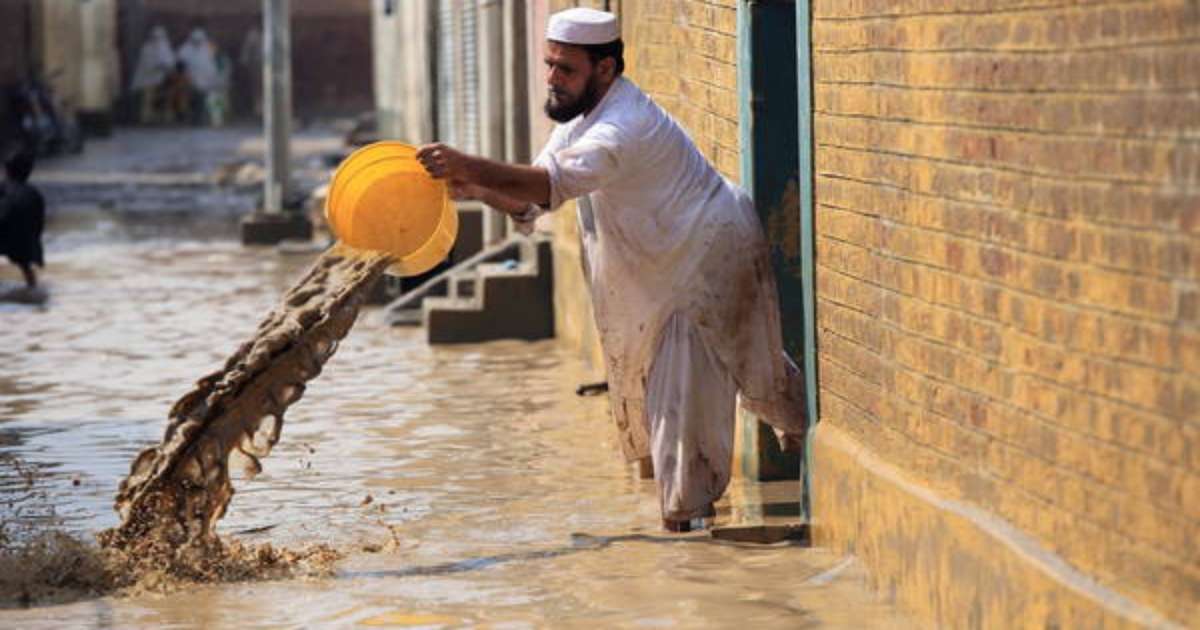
468 485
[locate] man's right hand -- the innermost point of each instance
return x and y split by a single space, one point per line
520 184
444 162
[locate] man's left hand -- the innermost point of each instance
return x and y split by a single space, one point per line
444 162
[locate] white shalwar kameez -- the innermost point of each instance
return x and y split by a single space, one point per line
155 61
682 289
197 54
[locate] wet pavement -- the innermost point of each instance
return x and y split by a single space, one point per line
153 171
469 484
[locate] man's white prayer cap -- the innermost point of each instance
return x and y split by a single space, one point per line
583 27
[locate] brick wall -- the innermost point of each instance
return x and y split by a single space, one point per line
684 54
1008 265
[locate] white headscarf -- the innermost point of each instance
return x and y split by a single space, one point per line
197 54
154 61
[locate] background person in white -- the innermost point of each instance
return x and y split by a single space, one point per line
682 289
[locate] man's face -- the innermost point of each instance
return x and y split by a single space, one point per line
572 81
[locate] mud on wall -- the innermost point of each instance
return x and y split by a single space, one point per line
1007 227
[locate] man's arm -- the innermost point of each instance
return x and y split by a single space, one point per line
493 198
517 182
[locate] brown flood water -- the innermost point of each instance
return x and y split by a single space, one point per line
467 486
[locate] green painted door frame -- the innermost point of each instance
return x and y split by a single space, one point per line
775 116
808 234
767 95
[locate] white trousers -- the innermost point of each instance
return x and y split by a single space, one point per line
691 402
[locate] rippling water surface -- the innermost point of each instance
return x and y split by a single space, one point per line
512 505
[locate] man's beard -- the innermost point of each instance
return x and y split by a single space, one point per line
566 111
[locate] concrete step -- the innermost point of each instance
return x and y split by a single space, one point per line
462 284
434 303
510 300
470 230
467 245
405 310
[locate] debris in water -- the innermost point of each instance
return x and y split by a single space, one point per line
592 389
395 542
55 567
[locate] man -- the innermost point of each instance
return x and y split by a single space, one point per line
22 217
682 288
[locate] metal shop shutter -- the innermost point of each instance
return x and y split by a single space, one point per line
447 63
469 100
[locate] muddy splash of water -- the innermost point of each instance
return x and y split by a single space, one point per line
177 491
180 488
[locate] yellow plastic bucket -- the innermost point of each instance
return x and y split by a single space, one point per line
382 199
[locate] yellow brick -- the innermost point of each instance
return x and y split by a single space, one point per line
846 290
700 15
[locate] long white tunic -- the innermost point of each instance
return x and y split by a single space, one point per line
197 54
155 60
663 234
